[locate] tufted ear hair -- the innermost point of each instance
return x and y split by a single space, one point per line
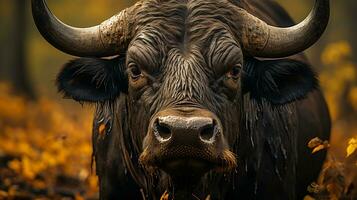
92 79
278 81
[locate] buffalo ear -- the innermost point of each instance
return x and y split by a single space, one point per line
278 81
92 79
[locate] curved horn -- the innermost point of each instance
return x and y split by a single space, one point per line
262 40
106 39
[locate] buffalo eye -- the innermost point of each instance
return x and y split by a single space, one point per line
235 72
232 77
138 78
134 72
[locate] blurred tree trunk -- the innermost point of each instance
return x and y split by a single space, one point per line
4 40
17 65
347 108
351 7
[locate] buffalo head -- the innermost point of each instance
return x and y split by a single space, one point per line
182 68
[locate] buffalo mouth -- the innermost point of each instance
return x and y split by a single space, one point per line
187 162
187 165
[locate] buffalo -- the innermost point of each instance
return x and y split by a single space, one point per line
197 99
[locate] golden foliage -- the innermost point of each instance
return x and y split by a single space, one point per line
45 141
338 180
335 52
340 73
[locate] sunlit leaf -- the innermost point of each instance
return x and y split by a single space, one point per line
352 146
319 148
165 196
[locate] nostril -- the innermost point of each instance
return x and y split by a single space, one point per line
208 133
162 131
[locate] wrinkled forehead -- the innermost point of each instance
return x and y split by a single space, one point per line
190 28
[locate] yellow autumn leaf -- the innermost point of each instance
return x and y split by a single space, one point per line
165 196
352 146
318 148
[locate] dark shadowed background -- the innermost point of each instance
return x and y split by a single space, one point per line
45 147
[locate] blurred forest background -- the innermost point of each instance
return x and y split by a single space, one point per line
45 148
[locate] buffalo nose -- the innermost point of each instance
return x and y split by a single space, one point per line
185 130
